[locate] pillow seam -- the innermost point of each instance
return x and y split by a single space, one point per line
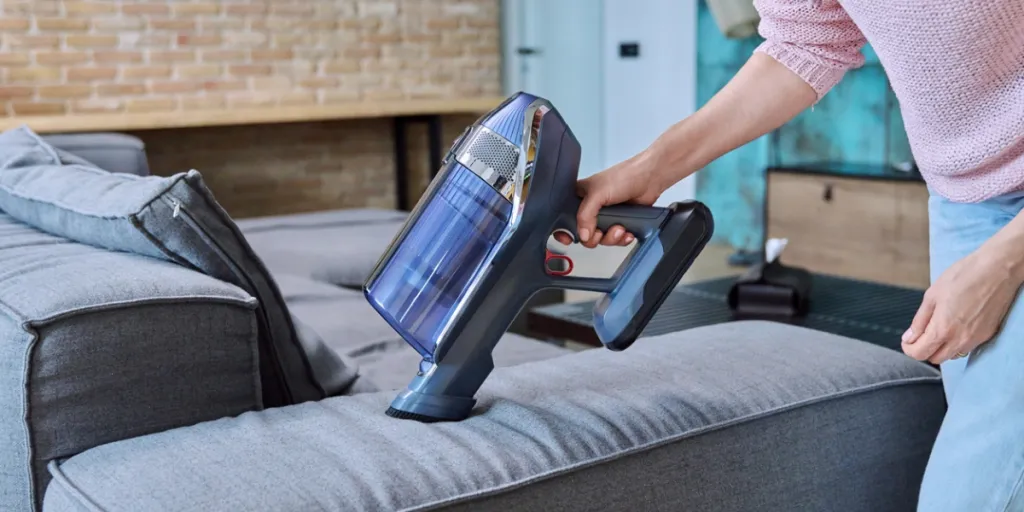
78 495
42 144
248 305
59 204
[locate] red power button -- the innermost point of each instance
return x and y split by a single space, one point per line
550 256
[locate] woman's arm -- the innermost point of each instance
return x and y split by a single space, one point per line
762 96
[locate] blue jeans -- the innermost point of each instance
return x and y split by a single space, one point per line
977 463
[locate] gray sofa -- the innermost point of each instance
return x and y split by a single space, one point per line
158 355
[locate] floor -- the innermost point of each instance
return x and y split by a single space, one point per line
602 262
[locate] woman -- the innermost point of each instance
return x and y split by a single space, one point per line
957 68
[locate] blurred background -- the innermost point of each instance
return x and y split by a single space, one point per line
291 106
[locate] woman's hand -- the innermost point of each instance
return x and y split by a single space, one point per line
632 181
964 307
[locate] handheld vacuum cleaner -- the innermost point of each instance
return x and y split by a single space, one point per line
473 251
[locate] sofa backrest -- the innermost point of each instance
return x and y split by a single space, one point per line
113 152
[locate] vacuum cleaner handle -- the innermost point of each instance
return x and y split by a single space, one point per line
639 220
668 240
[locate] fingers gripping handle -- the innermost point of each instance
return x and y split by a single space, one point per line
639 220
669 239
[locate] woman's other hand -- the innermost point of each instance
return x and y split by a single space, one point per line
964 307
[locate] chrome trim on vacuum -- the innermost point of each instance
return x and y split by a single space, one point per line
528 153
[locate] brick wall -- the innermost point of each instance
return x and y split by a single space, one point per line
79 57
290 168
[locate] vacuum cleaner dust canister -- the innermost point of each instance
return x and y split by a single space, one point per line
452 235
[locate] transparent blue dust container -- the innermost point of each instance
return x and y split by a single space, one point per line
419 284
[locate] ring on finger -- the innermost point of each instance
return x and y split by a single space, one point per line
959 355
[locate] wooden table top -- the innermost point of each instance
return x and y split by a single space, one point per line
130 121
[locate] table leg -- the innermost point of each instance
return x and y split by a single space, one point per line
434 129
401 164
435 148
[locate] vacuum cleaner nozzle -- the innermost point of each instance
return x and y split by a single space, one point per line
472 253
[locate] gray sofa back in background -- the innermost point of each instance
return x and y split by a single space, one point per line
113 152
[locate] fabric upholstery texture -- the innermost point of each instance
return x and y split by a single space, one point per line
175 219
316 220
351 328
347 323
98 346
339 247
298 289
733 417
390 364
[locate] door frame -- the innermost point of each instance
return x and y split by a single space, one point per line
510 23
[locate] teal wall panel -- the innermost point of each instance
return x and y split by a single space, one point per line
733 185
845 126
857 122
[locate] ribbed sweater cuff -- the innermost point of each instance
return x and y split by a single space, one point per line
820 76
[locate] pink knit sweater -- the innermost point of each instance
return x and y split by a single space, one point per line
956 66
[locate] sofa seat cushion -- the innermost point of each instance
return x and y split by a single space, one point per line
298 289
347 324
320 219
732 417
97 346
339 247
172 218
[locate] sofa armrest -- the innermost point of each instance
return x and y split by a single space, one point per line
98 346
740 416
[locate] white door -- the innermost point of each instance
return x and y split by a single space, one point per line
553 49
650 66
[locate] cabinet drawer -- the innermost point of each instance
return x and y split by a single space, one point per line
873 230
